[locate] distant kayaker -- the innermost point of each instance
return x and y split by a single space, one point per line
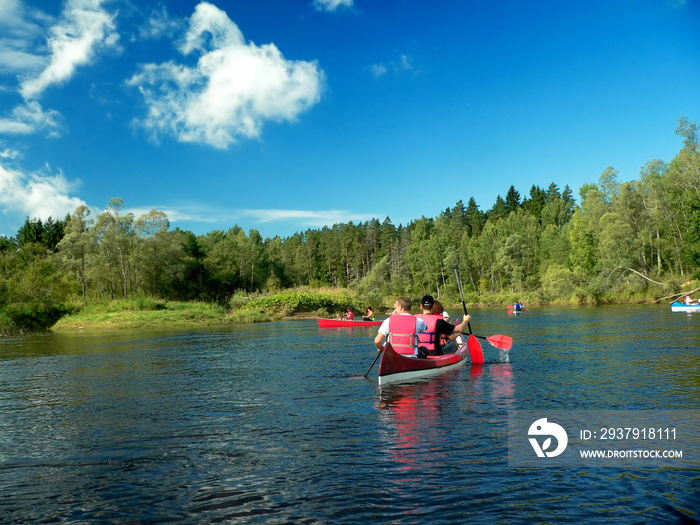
518 306
350 315
688 300
437 327
369 315
403 328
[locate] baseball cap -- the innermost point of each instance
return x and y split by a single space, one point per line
427 301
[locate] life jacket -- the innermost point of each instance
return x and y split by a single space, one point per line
427 338
402 334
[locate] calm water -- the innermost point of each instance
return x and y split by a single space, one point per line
275 424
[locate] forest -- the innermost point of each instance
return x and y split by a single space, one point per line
633 241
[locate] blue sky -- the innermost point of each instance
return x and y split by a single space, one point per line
282 115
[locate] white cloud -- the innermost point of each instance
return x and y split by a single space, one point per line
159 24
331 5
36 195
402 64
29 118
233 89
378 70
307 217
13 127
10 154
85 27
206 214
21 33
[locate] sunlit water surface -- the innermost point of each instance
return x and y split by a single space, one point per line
275 423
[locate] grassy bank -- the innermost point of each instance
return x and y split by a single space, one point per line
129 314
242 309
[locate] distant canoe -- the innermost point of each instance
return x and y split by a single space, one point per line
513 311
681 307
340 323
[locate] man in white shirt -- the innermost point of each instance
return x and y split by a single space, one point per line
402 306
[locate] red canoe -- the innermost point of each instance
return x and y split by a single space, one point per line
397 367
338 323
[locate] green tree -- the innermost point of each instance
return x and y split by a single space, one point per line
536 202
512 199
115 237
154 249
77 244
475 218
498 211
583 233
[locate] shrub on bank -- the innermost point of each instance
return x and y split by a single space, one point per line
248 317
291 303
32 317
7 327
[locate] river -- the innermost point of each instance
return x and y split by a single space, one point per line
275 423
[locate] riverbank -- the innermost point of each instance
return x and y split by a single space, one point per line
121 315
143 312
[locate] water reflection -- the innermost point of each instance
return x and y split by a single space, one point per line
412 414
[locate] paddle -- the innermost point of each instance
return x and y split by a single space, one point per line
370 366
475 352
499 341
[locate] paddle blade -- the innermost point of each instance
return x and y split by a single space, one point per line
475 352
501 341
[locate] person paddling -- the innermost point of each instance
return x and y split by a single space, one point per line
400 329
437 327
688 300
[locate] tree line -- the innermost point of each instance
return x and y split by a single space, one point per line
628 238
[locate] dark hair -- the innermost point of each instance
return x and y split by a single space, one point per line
437 308
427 301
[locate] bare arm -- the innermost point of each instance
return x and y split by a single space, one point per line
460 327
378 341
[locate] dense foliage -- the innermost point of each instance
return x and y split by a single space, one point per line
636 239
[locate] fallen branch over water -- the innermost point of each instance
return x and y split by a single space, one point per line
676 295
640 274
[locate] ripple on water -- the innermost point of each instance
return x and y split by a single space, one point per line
264 425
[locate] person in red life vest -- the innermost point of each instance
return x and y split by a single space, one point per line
449 345
400 329
349 315
430 341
